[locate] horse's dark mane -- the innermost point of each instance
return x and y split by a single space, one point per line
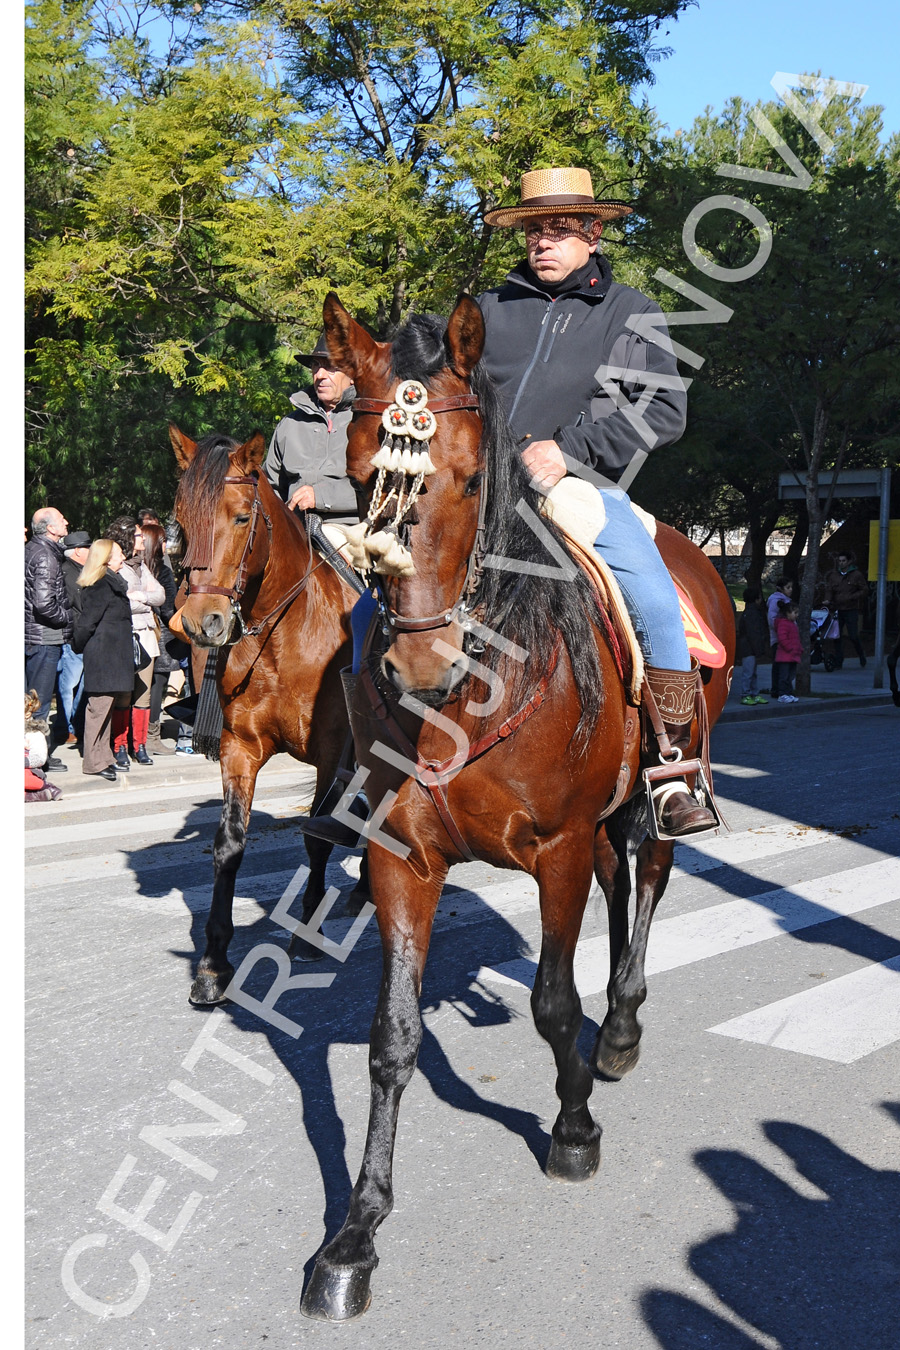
531 610
200 489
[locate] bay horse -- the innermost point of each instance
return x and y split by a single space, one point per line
279 619
520 778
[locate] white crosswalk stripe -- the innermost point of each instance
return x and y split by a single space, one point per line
726 927
841 1020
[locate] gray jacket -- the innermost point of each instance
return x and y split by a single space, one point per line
546 356
309 449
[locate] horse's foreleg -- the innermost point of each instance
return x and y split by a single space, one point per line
360 894
215 971
618 1044
318 851
614 877
339 1286
564 886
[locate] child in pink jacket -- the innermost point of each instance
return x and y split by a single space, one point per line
787 653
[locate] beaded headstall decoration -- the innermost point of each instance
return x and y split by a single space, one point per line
403 462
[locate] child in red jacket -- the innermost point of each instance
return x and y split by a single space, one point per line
787 653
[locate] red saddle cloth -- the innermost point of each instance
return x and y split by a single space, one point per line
701 641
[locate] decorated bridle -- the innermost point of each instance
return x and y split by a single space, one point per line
235 592
403 461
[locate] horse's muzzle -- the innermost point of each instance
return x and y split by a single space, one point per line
434 694
212 629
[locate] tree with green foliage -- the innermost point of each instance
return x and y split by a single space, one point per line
201 174
804 375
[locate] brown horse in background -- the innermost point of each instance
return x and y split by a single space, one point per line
280 620
494 726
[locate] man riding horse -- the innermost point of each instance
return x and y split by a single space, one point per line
587 374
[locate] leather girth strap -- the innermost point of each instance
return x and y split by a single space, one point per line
432 776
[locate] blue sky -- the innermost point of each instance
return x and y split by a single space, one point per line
726 47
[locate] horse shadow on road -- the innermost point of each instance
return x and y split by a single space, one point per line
806 1271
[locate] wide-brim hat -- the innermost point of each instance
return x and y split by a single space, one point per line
553 192
319 352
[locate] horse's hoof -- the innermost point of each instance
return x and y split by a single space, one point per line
301 950
573 1162
209 989
337 1293
615 1062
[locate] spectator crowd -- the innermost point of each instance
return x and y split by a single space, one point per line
97 642
767 629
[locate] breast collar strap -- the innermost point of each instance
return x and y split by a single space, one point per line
433 776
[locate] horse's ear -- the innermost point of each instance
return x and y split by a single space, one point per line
184 447
251 454
465 336
350 345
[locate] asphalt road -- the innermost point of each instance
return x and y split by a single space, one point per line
749 1192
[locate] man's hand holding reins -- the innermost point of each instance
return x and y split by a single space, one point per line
304 499
544 461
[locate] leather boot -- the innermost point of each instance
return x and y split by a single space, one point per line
324 825
155 741
121 720
140 721
677 811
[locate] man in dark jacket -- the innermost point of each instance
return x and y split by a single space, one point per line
307 459
846 590
587 372
48 616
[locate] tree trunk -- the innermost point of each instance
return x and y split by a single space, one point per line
816 520
795 552
760 529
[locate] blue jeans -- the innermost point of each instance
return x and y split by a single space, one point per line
71 686
647 589
41 665
360 618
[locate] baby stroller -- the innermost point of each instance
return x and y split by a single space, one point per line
823 627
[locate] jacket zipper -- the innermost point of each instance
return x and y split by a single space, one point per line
534 359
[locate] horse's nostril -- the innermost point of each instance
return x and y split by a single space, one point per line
213 625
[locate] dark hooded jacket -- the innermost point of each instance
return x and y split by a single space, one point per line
309 449
580 367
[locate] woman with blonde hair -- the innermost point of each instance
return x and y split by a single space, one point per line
103 634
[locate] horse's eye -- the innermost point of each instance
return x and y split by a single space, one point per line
473 484
242 520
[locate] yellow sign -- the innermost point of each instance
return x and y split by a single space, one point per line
893 561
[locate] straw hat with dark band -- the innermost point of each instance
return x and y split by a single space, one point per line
554 192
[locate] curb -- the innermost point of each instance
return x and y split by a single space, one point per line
166 771
762 712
